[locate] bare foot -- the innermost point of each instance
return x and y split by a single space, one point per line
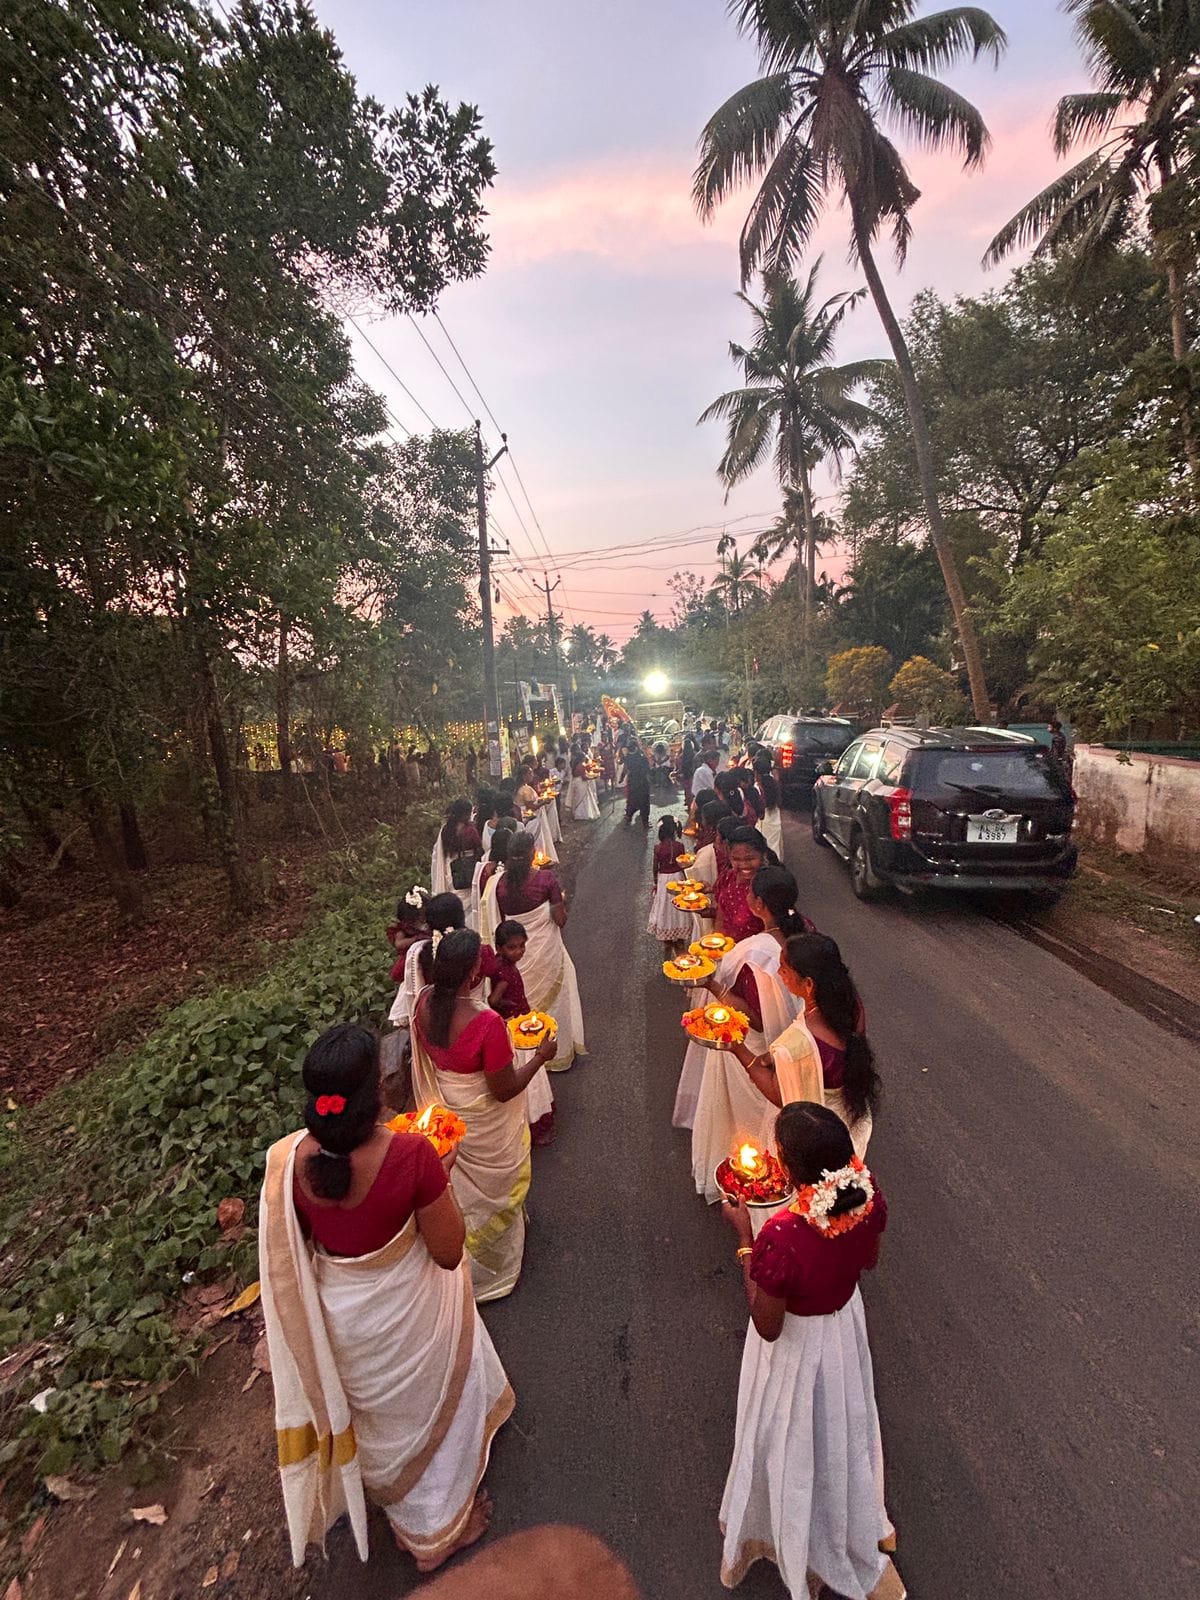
477 1526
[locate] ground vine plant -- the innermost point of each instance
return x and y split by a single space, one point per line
112 1186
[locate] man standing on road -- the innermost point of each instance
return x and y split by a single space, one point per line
704 776
637 785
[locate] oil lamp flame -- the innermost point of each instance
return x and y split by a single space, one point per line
718 1014
426 1117
748 1160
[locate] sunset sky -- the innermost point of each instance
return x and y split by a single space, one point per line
599 332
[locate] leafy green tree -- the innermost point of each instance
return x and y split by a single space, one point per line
923 689
859 677
811 127
1016 384
734 585
185 454
1142 56
894 597
1113 599
794 405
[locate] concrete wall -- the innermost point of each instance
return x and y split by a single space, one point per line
1148 806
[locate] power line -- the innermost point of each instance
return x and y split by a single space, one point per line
371 345
469 409
467 370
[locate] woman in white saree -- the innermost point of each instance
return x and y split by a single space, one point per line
456 850
729 1108
387 1386
581 796
805 1487
823 1056
535 899
463 1059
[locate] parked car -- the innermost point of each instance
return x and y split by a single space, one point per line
801 746
947 808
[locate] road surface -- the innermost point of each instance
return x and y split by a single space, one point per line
1034 1319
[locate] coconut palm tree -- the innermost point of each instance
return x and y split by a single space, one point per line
606 653
1143 56
794 404
734 583
810 128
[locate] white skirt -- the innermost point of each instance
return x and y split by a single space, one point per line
805 1487
730 1111
771 828
582 800
667 922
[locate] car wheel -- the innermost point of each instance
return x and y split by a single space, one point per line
818 827
863 879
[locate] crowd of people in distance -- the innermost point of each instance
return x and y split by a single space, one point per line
376 1251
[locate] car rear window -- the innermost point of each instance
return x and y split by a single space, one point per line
1024 774
818 737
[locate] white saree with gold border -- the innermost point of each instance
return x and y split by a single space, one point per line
729 1109
387 1385
551 984
801 1076
491 1176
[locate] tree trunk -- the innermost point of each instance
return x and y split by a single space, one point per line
126 890
809 560
132 842
1161 224
1180 349
242 899
964 622
283 722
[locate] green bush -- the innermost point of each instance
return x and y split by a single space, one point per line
112 1185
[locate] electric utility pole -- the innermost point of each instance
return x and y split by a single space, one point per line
491 697
552 629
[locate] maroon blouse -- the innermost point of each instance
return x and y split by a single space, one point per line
482 1046
815 1275
539 887
410 1177
498 968
665 854
734 916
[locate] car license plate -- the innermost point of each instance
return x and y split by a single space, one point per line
982 830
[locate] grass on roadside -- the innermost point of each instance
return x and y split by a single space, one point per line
110 1186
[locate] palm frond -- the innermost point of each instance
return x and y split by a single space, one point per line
1120 52
929 43
785 211
1033 220
726 405
740 139
786 33
1083 116
937 115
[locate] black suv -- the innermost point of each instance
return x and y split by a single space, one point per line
947 808
800 747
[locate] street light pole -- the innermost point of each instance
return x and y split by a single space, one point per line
491 695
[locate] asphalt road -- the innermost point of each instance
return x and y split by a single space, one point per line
1034 1319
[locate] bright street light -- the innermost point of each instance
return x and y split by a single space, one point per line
656 683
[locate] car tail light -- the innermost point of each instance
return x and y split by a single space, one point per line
787 755
900 802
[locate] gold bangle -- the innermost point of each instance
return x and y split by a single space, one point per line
743 1251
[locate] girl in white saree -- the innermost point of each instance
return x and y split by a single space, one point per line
535 899
463 1059
823 1056
387 1386
729 1108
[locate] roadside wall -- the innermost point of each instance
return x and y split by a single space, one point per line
1147 806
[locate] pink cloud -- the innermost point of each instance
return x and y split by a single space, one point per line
638 214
